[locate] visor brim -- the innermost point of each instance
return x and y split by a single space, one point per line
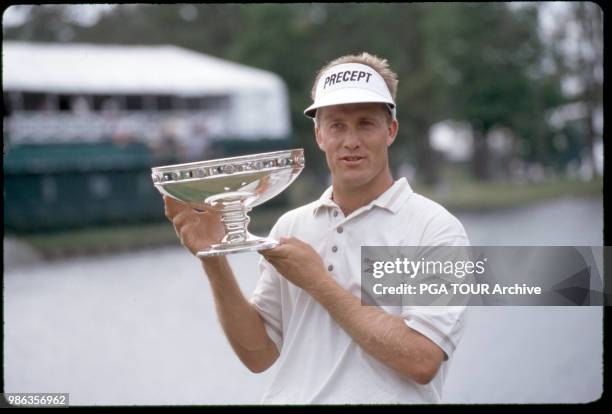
347 96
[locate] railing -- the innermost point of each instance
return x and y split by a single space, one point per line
150 127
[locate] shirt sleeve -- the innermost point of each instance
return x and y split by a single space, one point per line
267 299
443 325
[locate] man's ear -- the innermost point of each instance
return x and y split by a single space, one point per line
318 137
393 128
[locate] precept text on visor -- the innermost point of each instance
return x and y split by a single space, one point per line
346 76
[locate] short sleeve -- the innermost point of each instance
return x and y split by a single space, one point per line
267 298
443 325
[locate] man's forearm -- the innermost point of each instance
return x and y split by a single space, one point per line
241 322
386 337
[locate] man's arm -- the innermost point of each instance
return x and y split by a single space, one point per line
384 336
241 322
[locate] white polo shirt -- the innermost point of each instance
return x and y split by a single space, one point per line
319 363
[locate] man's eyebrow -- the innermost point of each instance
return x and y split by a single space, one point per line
332 118
367 117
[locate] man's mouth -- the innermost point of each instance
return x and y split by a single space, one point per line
352 161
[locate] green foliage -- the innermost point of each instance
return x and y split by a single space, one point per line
476 62
487 57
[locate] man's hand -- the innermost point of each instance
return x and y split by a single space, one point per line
386 337
196 230
297 261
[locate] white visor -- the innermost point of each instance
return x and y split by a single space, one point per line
350 83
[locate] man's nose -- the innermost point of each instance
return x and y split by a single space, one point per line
351 140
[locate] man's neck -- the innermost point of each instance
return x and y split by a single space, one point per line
350 199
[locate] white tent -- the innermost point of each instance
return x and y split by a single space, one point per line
258 104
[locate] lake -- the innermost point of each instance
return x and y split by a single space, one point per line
140 328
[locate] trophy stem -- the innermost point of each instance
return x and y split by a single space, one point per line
235 219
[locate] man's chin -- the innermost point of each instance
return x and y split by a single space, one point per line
351 180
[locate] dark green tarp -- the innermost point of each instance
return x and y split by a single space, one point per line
59 186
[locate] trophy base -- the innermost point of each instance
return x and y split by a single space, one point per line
247 246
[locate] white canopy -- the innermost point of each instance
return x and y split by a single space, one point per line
258 102
89 68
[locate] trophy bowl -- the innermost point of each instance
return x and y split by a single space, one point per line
231 187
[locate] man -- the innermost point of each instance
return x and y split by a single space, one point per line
305 314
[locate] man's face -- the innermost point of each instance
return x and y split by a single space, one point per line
355 138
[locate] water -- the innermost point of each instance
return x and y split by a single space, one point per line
531 354
141 328
127 329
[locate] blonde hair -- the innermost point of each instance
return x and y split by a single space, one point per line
379 65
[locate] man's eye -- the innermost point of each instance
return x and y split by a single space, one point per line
335 125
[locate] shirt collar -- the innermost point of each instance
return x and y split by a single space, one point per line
391 200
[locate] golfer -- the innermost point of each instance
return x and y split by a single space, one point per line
305 315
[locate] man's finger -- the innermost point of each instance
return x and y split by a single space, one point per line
293 240
172 207
184 217
276 251
202 208
274 261
265 252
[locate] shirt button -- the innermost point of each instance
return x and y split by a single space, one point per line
334 249
330 267
335 213
340 229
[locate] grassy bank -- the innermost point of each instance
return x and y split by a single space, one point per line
462 196
112 239
456 195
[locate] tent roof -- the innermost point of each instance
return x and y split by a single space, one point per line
107 69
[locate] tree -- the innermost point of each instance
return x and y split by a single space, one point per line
488 74
44 24
578 43
449 67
